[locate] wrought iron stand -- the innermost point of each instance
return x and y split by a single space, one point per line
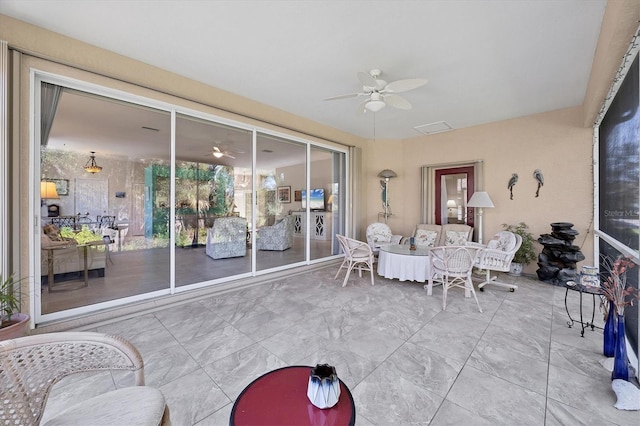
593 291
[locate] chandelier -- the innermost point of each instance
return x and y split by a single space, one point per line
91 166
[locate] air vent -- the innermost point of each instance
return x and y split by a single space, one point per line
150 128
437 127
267 150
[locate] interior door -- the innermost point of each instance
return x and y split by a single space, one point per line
92 197
454 185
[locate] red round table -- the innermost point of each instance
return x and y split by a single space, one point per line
279 397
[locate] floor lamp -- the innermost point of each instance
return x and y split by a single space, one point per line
480 200
386 174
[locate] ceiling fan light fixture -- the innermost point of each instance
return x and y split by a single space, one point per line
91 166
218 154
374 105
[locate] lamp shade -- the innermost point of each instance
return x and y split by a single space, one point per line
386 173
480 199
452 204
48 190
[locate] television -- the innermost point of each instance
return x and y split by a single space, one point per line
316 199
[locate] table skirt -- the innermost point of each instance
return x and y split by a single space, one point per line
403 267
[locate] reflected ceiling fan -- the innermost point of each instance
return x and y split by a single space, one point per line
218 153
379 93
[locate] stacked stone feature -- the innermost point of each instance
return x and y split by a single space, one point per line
558 261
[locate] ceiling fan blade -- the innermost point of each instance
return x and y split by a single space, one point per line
397 101
350 95
366 79
230 156
405 85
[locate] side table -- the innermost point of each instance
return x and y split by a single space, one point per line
593 291
279 397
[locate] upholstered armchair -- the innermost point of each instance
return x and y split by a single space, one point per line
227 238
278 236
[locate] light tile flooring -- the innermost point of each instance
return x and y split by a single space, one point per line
406 361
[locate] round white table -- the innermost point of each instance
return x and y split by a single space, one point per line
396 261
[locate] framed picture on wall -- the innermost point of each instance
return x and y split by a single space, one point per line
297 195
284 194
62 186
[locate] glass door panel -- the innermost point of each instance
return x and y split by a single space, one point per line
87 254
325 210
211 224
280 172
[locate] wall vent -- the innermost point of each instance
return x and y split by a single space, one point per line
437 127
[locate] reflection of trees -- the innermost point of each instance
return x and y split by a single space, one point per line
203 192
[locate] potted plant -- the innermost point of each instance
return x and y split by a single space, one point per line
13 323
525 253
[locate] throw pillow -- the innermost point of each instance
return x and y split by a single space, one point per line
455 238
425 238
53 232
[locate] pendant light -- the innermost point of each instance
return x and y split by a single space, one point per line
91 166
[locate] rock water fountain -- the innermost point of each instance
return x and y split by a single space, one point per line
557 262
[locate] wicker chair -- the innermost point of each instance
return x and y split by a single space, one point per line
32 365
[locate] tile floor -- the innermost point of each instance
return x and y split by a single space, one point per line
406 361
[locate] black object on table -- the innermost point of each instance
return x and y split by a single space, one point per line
593 291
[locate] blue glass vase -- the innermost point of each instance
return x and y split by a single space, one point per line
609 344
620 362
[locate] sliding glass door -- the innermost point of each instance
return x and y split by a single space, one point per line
102 239
212 161
141 199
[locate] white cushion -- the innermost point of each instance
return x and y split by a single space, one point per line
135 405
425 238
455 238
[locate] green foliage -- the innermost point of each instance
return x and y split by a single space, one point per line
9 302
525 253
82 237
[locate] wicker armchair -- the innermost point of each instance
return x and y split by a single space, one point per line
32 365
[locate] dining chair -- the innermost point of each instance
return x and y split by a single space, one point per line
357 255
452 266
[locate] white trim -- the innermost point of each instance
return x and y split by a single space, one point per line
4 158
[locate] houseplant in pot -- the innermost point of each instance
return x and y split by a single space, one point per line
525 253
13 323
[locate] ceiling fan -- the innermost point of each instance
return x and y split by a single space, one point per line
380 93
218 153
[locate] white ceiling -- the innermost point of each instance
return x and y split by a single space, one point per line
486 60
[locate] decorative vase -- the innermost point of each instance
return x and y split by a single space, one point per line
620 362
609 344
515 269
324 386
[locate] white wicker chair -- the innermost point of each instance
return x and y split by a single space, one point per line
452 265
379 234
497 255
30 366
357 255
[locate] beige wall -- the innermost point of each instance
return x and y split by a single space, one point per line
554 142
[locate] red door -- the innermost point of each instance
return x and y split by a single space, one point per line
441 175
